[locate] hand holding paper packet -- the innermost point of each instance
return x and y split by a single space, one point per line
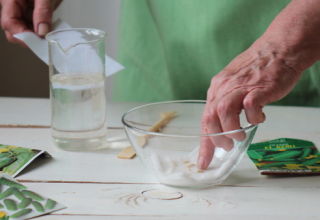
40 47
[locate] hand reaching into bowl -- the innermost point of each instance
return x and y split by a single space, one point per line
264 73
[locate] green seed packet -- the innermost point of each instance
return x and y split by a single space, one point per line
285 156
18 202
14 159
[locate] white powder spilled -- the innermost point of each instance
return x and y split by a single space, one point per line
177 168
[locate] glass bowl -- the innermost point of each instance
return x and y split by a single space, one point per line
169 147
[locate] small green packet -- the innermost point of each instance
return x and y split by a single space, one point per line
17 202
14 159
285 156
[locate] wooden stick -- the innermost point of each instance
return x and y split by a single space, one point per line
166 117
127 153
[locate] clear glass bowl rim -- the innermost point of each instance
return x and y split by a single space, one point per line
127 124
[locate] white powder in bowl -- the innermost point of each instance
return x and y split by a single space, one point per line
177 168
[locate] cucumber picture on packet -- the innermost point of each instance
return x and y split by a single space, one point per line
285 156
17 202
14 159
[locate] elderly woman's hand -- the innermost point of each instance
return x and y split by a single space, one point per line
264 73
26 15
252 80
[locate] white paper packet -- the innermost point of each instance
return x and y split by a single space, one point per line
40 47
19 203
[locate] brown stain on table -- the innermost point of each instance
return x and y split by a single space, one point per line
22 126
81 182
40 126
131 199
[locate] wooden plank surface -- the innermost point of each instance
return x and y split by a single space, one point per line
126 200
103 166
97 185
36 111
202 217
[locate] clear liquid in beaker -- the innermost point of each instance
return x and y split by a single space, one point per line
78 110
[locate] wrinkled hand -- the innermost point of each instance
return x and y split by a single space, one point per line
253 79
26 15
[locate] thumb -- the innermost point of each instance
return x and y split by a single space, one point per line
253 104
42 16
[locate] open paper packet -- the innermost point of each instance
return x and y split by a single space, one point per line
285 156
14 159
18 202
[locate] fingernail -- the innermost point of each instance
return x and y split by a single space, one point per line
43 29
263 117
202 163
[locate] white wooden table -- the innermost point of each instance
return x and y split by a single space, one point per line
97 185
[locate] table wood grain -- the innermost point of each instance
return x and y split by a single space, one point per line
97 185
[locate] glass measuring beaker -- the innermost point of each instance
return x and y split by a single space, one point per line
77 88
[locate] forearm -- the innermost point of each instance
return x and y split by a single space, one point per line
294 35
